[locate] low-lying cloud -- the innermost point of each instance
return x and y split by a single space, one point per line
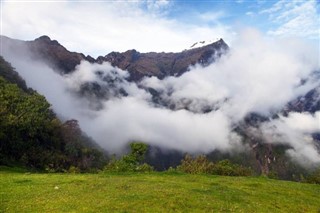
295 130
257 75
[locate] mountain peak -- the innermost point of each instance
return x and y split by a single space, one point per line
136 63
205 43
47 39
43 38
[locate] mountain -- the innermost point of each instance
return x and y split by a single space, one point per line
264 157
138 64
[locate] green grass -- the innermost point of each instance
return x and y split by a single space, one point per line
155 192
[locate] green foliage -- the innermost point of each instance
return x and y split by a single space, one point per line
8 73
314 177
225 167
32 136
144 168
198 165
201 165
73 170
273 175
138 151
131 162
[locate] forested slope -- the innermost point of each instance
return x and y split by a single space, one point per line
31 135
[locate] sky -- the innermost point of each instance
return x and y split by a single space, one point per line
99 27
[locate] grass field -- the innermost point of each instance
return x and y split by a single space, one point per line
155 192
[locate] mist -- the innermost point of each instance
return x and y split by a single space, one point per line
295 130
257 75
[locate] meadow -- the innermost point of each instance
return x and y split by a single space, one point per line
152 192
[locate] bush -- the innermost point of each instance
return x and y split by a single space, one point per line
131 162
225 167
201 165
73 169
198 165
314 177
144 168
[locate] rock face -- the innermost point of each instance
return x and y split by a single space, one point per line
164 64
55 54
138 64
310 102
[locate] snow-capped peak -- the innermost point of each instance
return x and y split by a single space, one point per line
203 43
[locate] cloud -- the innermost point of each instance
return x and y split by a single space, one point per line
295 130
98 27
258 74
294 18
246 79
158 5
212 16
250 13
134 119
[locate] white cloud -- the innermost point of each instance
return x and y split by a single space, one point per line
295 131
100 27
248 77
134 119
158 4
295 18
212 16
258 74
250 13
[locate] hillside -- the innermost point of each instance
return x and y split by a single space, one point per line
32 136
153 192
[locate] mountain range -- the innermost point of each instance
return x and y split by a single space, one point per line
263 156
138 64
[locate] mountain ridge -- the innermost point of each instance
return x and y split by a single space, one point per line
136 63
266 156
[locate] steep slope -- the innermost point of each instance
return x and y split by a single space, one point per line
31 135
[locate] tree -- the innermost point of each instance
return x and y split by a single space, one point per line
131 162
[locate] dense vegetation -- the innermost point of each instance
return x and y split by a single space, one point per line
32 136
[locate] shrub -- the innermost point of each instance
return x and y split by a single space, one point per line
314 177
144 168
201 165
225 167
131 162
73 169
196 165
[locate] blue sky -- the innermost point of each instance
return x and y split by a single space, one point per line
98 27
261 14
